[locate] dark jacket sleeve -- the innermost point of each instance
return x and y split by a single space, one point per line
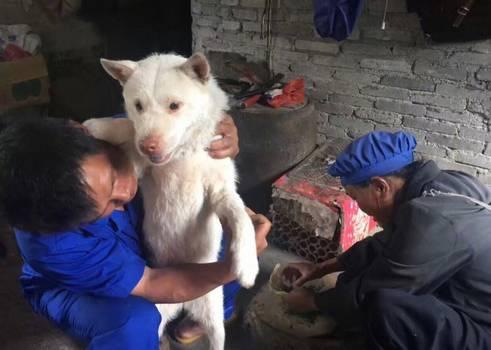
423 252
362 253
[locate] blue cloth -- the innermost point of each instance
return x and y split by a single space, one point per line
81 280
230 290
104 323
102 258
378 153
336 18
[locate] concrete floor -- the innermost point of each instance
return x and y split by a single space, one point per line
20 328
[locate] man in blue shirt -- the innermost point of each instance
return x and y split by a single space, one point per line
77 216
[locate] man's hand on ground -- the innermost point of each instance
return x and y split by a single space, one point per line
297 274
301 300
228 145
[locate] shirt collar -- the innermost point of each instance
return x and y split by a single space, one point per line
428 171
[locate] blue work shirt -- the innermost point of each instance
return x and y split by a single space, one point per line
102 258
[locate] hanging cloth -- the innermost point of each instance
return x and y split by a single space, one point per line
336 18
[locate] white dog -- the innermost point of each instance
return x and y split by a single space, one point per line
173 107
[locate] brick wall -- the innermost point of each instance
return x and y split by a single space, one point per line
376 80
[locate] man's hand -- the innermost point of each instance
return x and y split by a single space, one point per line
80 126
262 226
228 145
301 300
297 274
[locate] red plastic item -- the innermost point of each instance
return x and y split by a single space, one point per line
293 95
13 52
249 102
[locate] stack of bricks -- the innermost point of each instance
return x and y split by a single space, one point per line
376 80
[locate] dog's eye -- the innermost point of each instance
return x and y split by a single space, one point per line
138 106
174 106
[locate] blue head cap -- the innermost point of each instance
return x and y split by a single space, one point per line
378 153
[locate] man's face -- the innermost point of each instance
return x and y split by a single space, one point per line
111 180
378 198
365 197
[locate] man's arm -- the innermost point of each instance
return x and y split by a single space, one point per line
352 262
423 253
176 284
362 254
183 282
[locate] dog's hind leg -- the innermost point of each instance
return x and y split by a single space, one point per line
208 311
168 312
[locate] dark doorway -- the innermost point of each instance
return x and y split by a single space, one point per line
129 29
134 29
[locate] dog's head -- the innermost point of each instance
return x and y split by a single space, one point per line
174 103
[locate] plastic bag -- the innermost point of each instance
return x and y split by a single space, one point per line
17 41
293 94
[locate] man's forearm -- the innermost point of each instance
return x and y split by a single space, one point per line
329 266
182 282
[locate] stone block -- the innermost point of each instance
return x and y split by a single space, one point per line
430 125
334 108
432 150
452 116
408 83
427 69
351 100
475 134
357 76
386 65
351 123
484 74
379 116
245 14
230 25
365 49
380 91
469 158
459 92
457 143
470 58
400 107
453 103
341 61
319 46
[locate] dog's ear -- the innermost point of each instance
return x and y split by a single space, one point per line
119 70
197 67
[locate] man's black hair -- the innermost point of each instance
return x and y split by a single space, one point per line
42 186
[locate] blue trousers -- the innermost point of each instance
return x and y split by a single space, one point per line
112 323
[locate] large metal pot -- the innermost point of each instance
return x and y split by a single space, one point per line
271 142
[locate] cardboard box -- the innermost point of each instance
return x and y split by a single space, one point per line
23 82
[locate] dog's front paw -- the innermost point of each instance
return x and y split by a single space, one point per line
95 127
247 272
245 263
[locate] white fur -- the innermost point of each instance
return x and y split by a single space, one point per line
184 197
